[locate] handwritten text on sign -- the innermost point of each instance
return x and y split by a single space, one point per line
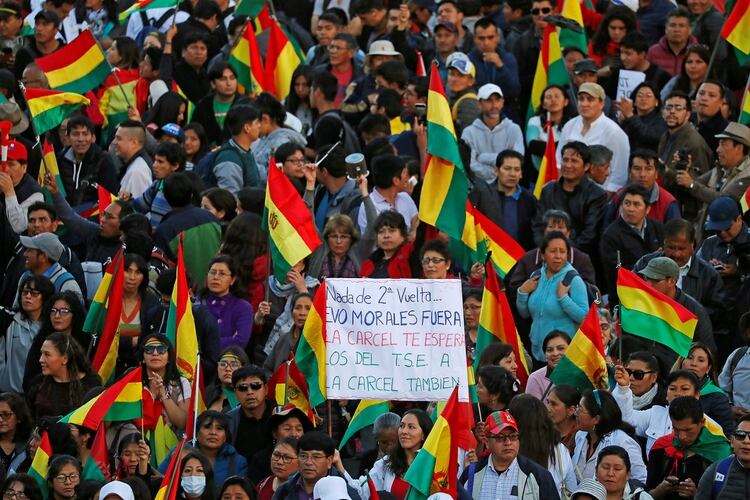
395 339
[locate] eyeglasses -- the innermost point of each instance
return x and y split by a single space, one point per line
604 326
6 415
674 107
255 386
432 260
314 457
29 292
229 364
638 374
543 10
336 48
295 161
70 477
63 311
741 435
21 495
155 349
220 274
339 237
504 438
280 457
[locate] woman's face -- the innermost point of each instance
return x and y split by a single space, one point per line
113 55
509 363
8 419
300 311
612 473
645 100
15 491
207 205
291 427
586 421
387 441
226 367
606 328
482 393
555 351
389 239
294 165
65 482
435 265
616 30
192 143
133 278
302 88
472 309
339 241
212 435
558 412
410 434
697 362
129 458
61 316
156 356
695 67
193 467
151 41
31 299
554 100
284 461
556 254
53 361
234 492
219 279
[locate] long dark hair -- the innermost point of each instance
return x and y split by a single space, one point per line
293 101
140 263
683 82
202 137
397 460
30 486
539 437
245 241
603 405
601 38
172 374
568 111
42 285
77 365
235 289
210 491
76 308
23 416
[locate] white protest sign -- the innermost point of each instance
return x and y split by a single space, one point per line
395 339
628 81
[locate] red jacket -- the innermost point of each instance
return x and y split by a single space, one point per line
661 55
398 266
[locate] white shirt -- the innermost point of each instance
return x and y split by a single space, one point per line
683 272
607 133
404 205
135 25
68 30
499 485
137 178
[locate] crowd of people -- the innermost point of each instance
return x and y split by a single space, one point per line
654 181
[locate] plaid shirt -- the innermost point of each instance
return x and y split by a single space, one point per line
499 485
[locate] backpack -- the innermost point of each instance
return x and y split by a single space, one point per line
722 469
350 140
592 292
205 167
151 25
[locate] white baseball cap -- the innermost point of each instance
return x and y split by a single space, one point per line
486 91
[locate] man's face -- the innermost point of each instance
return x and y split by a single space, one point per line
728 235
162 168
314 464
686 431
125 145
109 224
33 78
599 173
34 259
631 59
538 11
81 140
698 7
449 12
589 107
573 169
505 445
486 39
457 81
679 249
393 15
643 172
677 30
633 209
492 107
675 112
445 41
571 58
586 76
16 169
325 32
509 173
665 285
10 25
708 100
741 446
146 69
195 54
251 393
373 17
44 31
729 153
226 85
253 129
40 222
339 52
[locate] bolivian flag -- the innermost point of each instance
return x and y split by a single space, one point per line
736 29
368 410
49 164
584 365
282 58
40 464
170 484
246 61
48 108
548 168
119 402
96 466
288 386
180 321
141 5
311 348
104 317
78 67
482 237
550 68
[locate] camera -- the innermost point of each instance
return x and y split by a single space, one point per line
682 160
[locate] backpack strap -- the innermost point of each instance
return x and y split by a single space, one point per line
470 481
722 469
736 359
158 23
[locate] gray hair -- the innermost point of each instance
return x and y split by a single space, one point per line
386 421
600 154
557 215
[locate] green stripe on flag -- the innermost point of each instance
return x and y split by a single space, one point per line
89 82
568 372
655 329
51 118
442 143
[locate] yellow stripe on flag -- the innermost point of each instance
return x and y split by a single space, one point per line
92 58
636 300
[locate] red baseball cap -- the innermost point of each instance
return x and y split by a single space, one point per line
498 421
17 151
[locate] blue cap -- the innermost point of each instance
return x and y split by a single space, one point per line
172 130
721 213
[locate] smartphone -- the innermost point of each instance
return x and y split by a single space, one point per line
420 111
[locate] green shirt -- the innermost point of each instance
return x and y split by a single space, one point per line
220 111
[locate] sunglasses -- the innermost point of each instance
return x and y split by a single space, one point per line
155 349
741 435
638 374
255 386
543 10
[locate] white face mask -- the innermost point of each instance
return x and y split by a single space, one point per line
194 486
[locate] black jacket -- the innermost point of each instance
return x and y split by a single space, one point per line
80 179
486 198
621 240
204 114
645 131
585 205
288 490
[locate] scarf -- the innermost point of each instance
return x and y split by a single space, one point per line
709 388
231 398
284 322
645 399
711 445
